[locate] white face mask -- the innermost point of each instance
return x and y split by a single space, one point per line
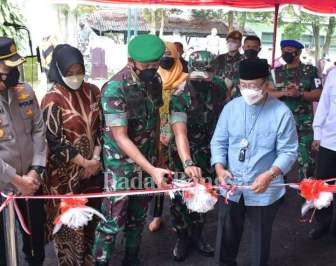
252 96
232 46
199 74
74 82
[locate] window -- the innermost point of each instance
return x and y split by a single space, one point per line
267 38
307 40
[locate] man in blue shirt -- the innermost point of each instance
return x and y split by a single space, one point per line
255 143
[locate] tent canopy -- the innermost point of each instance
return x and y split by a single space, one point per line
319 6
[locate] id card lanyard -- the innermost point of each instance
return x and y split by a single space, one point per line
244 143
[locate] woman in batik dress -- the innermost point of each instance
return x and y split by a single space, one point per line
72 116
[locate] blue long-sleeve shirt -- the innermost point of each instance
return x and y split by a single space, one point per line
272 142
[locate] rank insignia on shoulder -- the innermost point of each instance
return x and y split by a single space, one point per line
19 88
23 96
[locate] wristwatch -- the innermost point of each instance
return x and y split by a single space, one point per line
39 170
188 163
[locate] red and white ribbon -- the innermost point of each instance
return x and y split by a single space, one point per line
310 188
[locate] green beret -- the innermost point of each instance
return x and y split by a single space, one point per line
146 48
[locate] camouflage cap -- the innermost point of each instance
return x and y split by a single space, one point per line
201 61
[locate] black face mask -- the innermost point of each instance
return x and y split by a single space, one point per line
200 84
147 75
12 78
251 54
289 57
167 62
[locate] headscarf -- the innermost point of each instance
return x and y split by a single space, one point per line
175 76
171 78
64 56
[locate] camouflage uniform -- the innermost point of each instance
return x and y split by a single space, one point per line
198 107
127 101
305 76
227 66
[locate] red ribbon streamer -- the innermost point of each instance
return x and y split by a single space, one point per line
67 204
311 188
11 198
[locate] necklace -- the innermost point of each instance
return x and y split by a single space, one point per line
244 143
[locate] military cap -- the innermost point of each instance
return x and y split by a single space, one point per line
253 69
235 35
146 48
200 60
8 52
291 43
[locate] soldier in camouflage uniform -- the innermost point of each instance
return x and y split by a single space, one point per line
194 110
298 85
130 102
226 66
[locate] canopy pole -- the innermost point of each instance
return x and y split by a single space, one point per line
275 31
136 22
10 235
129 24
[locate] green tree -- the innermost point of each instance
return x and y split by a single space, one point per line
158 17
294 30
235 20
309 23
330 33
63 11
11 13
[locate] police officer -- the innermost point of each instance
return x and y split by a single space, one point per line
22 149
298 85
130 102
226 65
194 109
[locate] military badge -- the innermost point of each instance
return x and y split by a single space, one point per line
116 103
